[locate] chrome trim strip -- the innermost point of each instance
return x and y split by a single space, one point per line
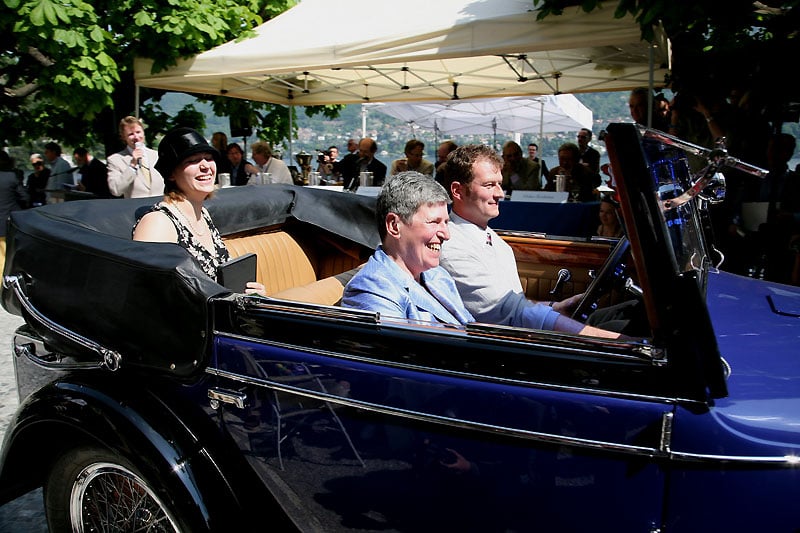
788 461
452 422
521 233
661 452
665 441
250 302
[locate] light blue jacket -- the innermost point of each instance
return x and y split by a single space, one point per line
384 287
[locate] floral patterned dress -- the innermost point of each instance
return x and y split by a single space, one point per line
208 262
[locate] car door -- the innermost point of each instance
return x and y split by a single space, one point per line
359 423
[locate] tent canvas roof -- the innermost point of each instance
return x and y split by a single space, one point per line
518 114
354 51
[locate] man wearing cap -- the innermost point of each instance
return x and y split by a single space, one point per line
132 172
37 181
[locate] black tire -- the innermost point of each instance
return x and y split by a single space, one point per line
93 489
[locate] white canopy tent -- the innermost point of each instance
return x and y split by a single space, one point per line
519 114
354 51
324 52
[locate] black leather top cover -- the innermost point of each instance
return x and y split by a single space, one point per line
149 301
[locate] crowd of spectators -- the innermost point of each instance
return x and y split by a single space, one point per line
756 227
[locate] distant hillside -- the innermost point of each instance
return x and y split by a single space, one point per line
318 133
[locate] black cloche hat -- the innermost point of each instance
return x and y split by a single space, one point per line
177 145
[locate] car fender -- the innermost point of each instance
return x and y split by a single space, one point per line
156 428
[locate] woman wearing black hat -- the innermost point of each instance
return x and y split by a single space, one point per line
189 166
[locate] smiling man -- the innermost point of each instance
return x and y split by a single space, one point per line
132 171
482 264
402 278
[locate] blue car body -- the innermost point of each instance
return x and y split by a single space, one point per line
250 413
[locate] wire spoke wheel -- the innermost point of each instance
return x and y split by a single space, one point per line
97 491
107 497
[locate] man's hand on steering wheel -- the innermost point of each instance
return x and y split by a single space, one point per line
568 305
603 281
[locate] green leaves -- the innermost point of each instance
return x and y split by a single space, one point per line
142 19
67 62
48 12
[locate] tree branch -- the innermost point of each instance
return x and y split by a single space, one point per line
40 57
21 92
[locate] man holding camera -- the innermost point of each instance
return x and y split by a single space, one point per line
327 160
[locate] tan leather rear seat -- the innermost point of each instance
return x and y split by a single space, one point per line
327 291
282 263
286 271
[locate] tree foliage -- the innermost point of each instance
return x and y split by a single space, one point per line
717 46
66 66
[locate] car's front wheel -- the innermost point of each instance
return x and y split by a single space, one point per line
93 489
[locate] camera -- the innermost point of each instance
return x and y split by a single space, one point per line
324 156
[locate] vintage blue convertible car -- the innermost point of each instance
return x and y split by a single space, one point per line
155 399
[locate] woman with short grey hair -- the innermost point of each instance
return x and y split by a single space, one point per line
403 278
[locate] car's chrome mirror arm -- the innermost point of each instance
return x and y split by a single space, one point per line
109 359
708 182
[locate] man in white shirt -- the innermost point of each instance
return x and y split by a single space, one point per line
266 164
481 263
131 171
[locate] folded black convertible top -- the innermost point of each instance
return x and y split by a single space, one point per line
148 301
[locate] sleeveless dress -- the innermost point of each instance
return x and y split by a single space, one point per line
208 262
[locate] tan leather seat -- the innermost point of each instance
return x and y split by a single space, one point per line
327 291
282 263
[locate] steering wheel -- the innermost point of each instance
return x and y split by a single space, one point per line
603 282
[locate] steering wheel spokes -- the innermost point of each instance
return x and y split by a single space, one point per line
603 282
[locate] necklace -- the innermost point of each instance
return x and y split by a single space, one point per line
191 224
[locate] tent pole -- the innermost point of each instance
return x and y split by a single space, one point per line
651 86
136 101
539 140
291 134
363 121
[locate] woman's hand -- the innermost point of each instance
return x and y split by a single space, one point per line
254 287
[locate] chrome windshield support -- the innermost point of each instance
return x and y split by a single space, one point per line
108 359
707 182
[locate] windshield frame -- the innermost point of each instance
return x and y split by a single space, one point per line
674 296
